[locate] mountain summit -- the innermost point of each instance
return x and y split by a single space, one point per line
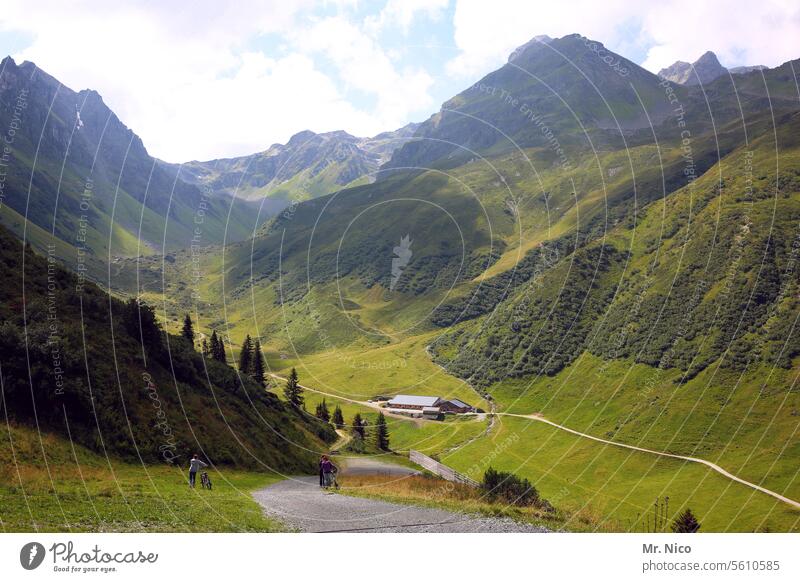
703 70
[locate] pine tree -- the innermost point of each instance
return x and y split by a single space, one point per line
188 329
140 321
218 348
258 364
293 391
686 522
322 411
358 426
338 417
204 348
246 356
382 433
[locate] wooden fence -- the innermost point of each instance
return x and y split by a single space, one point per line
440 469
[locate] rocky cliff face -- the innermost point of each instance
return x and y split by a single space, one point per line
75 170
308 165
703 70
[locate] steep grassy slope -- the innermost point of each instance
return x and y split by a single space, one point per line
78 363
707 274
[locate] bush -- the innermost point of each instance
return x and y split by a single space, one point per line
508 488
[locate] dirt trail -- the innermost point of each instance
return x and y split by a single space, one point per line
302 505
709 464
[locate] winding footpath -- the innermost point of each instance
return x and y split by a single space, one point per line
709 464
302 505
540 418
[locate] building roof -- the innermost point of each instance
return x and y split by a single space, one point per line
406 400
458 403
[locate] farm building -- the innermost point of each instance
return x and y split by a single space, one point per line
455 406
406 402
431 412
427 406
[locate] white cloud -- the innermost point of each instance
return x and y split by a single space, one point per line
741 32
363 65
401 13
766 32
188 83
487 32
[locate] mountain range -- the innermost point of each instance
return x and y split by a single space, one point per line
79 180
703 70
572 236
307 166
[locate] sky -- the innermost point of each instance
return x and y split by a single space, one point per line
208 79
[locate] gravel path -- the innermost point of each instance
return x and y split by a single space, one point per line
299 503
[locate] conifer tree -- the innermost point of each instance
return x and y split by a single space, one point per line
293 392
258 364
204 348
358 426
382 433
686 522
188 329
246 356
217 348
338 417
322 411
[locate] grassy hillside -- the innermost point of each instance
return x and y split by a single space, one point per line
78 363
49 484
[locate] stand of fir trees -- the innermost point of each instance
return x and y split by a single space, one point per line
292 391
338 417
258 365
322 411
382 433
246 356
217 348
188 329
358 427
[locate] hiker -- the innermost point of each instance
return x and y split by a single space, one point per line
321 474
329 471
195 465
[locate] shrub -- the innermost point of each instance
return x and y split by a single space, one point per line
507 487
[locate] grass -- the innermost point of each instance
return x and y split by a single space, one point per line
437 493
399 368
719 416
427 436
616 485
49 486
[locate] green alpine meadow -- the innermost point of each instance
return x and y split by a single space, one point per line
566 301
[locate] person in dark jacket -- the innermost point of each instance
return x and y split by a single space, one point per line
328 471
321 474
